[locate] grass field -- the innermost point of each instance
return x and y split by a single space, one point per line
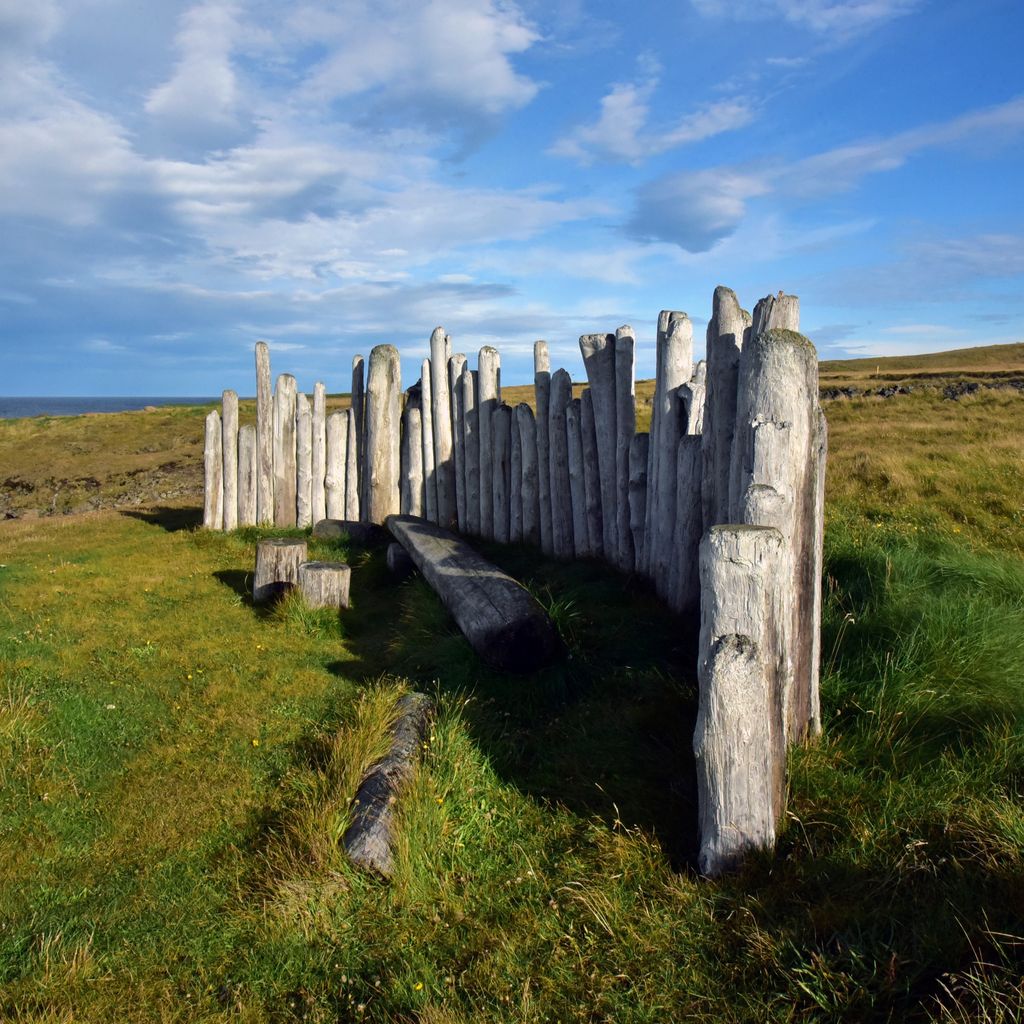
176 767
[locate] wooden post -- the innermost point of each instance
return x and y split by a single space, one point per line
284 451
817 571
324 584
558 458
458 412
501 440
229 446
429 464
247 475
592 475
334 478
625 428
599 359
444 462
515 481
471 428
577 486
412 455
352 499
741 757
357 439
213 473
489 362
692 395
264 437
277 567
542 396
383 387
318 493
638 491
530 480
683 589
778 452
303 461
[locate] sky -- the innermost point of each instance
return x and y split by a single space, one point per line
178 180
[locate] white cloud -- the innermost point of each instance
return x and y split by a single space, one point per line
839 18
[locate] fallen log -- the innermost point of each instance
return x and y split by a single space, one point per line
357 532
502 622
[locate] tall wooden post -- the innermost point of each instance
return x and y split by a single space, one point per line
412 455
229 444
213 473
471 429
683 589
531 477
357 440
558 455
383 388
599 359
592 475
542 396
303 461
429 462
284 451
638 491
264 437
337 453
353 506
501 442
444 462
247 475
515 482
577 488
625 428
318 493
458 413
489 362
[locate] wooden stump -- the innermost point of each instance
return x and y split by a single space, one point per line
558 458
542 398
264 437
247 475
318 491
303 461
383 390
324 584
400 565
213 473
277 567
501 620
229 444
284 452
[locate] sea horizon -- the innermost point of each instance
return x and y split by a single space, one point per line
27 406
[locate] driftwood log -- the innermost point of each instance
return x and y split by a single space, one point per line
369 839
277 567
324 584
501 620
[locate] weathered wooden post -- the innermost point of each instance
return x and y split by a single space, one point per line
324 584
542 396
489 363
213 473
577 487
741 757
683 590
515 482
692 397
814 725
429 462
357 440
530 481
599 359
501 441
264 437
284 451
303 461
412 454
318 493
337 454
444 463
638 491
625 428
558 459
229 445
592 475
247 475
471 428
455 367
352 477
383 387
277 567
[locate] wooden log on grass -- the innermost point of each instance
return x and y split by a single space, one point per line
530 478
501 442
739 739
229 445
599 359
264 437
542 397
503 623
247 475
488 389
303 461
284 451
471 430
318 489
577 488
324 584
558 460
337 436
370 838
277 567
592 474
383 391
213 473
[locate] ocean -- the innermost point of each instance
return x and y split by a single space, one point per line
16 408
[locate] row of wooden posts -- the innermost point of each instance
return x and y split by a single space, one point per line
719 504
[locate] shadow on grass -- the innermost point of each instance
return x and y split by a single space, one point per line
168 518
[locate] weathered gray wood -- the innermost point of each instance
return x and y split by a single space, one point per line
213 473
318 490
502 622
599 359
229 450
542 397
369 534
337 456
739 750
264 437
471 429
458 412
692 396
638 491
284 451
821 458
592 475
489 363
625 428
369 840
247 475
515 483
400 565
444 461
530 477
724 343
352 499
383 390
577 486
357 440
277 567
324 584
501 441
558 462
303 461
412 455
683 575
429 463
777 451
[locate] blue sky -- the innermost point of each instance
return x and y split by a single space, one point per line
178 180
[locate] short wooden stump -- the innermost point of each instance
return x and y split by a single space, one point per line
325 584
277 567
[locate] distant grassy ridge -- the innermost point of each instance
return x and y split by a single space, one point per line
986 362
